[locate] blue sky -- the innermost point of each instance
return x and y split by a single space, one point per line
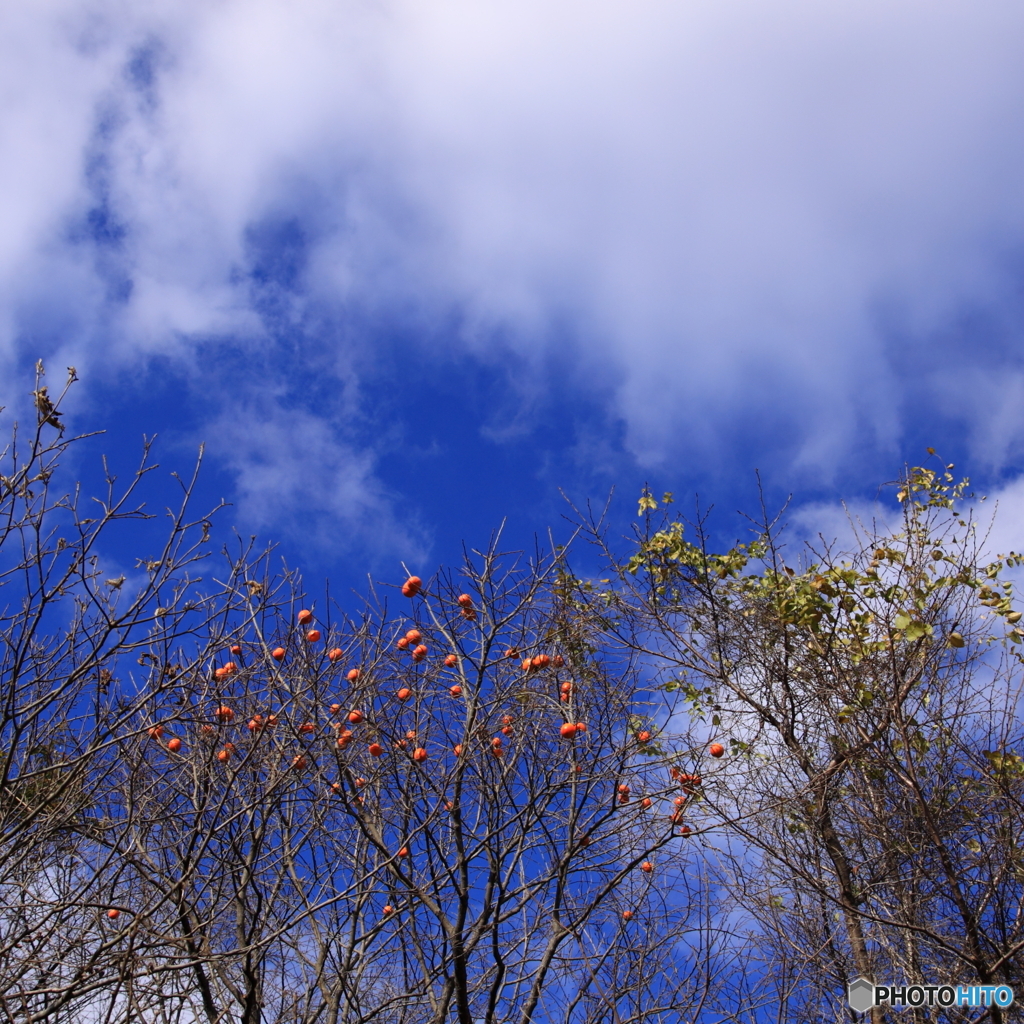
410 269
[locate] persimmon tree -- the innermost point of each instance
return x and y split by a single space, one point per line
870 796
223 800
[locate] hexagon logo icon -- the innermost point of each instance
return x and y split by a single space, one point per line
861 995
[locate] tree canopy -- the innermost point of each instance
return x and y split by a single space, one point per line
700 786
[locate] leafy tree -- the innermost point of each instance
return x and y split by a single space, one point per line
869 800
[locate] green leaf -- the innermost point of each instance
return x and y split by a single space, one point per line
902 621
916 630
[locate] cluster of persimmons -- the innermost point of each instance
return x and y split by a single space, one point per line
342 729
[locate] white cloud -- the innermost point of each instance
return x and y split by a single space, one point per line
295 474
757 220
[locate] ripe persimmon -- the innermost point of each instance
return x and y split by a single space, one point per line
375 749
404 694
568 730
344 738
174 745
412 585
388 909
627 915
223 755
643 737
541 661
647 867
512 652
419 754
307 727
450 661
685 830
360 783
404 851
299 762
156 732
716 750
645 803
278 653
355 717
558 661
305 617
581 726
465 600
403 642
335 654
235 648
224 714
113 913
457 749
313 635
469 614
455 691
352 675
414 636
419 653
566 687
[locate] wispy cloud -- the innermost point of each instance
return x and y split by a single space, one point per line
296 477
